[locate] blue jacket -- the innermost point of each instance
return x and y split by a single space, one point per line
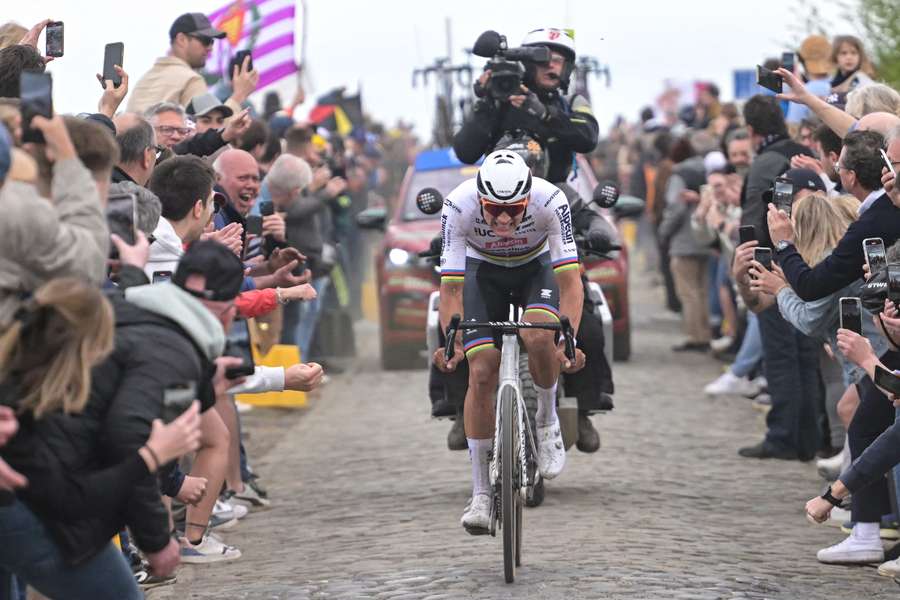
844 265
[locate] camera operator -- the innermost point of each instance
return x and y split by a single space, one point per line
563 123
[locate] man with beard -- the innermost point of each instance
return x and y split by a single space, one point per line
174 78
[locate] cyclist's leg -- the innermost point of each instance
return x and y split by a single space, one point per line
483 300
541 296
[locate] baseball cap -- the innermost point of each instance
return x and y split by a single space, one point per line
204 103
801 179
195 24
222 269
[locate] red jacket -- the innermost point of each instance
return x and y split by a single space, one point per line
256 303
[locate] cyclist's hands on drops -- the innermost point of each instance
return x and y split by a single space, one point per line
567 365
440 358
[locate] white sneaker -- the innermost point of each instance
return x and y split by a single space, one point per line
477 517
730 384
227 510
890 568
551 452
830 468
721 344
852 551
760 382
208 551
250 498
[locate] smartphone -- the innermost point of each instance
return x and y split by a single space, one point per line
177 398
240 350
121 215
266 209
238 60
887 162
851 314
36 99
299 269
876 258
747 233
161 276
113 54
768 79
890 382
254 225
764 257
783 197
894 283
788 61
54 39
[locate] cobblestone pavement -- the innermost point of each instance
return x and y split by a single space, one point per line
367 500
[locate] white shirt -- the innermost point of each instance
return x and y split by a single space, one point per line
870 200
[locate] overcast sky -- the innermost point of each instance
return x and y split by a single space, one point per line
378 44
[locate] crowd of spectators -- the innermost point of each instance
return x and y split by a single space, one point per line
124 335
708 174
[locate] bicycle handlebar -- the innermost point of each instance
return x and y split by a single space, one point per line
564 325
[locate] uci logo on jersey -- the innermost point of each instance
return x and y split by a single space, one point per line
565 223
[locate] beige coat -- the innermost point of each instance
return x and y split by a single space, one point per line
170 79
42 239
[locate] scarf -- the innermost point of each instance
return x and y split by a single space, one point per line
841 78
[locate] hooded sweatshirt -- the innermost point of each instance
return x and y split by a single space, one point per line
165 251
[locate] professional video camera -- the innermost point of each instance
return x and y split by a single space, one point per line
505 63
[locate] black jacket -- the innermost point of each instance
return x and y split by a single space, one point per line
844 265
771 162
204 144
569 127
151 353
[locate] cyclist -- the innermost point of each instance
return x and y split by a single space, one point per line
508 235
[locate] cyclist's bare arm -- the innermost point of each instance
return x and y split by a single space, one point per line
571 296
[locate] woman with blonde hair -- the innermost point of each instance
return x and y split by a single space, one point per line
854 68
47 354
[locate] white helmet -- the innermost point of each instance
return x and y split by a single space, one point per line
561 40
504 178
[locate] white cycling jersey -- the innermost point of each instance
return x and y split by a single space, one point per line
546 227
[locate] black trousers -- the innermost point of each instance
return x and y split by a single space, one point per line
873 416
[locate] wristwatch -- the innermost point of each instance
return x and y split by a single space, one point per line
783 245
834 501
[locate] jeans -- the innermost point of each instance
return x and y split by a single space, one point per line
27 550
300 319
751 351
872 417
791 364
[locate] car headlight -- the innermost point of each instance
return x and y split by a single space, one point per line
399 257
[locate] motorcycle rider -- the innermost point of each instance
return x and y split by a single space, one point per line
563 124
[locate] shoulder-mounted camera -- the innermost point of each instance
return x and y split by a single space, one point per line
506 64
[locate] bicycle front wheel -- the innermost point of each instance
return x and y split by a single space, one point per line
510 496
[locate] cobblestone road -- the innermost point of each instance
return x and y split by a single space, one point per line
367 500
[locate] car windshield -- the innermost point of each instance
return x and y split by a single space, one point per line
444 180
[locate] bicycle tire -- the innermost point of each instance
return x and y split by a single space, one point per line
509 492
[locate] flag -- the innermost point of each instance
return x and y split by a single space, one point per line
336 112
265 27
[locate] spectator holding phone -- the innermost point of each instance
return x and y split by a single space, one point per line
815 55
174 78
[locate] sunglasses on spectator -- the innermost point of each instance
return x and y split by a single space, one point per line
206 41
169 130
513 209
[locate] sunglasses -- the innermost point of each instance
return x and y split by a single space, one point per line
513 209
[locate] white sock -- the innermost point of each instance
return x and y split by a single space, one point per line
546 405
867 532
478 454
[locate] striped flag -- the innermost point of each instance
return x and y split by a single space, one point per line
265 27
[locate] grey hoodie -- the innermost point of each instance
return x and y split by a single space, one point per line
168 300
